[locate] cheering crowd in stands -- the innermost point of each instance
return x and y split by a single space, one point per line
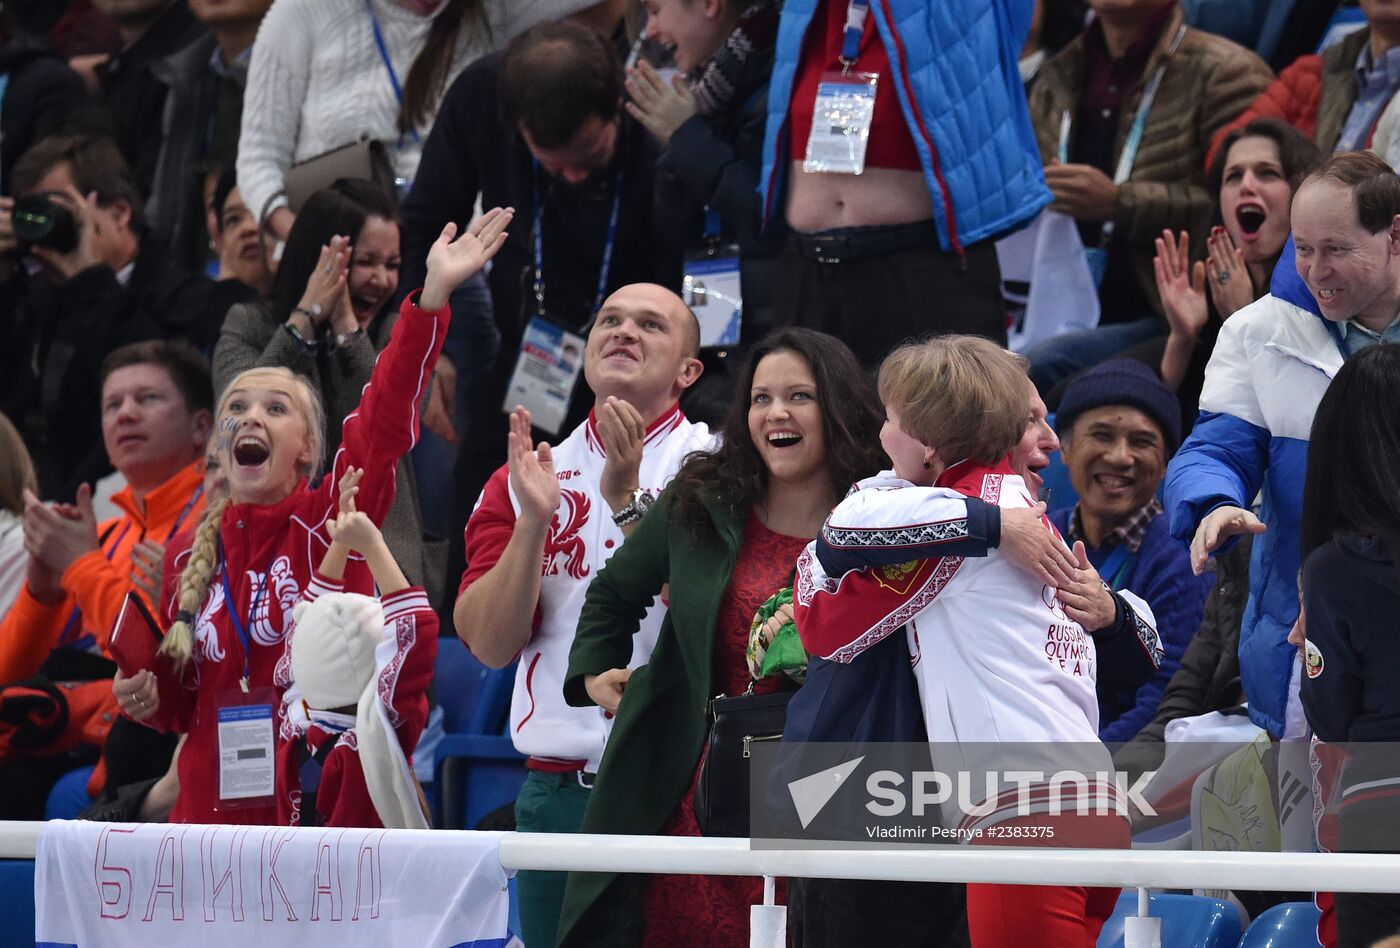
332 322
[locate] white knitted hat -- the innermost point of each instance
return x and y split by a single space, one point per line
339 647
333 648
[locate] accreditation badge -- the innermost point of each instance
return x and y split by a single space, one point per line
841 119
712 290
546 371
246 728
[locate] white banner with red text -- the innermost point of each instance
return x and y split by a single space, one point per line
162 884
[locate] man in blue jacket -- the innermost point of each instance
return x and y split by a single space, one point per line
1118 424
1271 364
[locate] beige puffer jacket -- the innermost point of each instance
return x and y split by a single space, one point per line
1209 80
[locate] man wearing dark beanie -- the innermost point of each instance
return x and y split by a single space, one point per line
1118 424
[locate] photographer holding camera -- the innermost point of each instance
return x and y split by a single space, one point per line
79 277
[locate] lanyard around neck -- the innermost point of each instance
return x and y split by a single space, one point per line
185 512
855 28
4 84
1116 566
539 243
388 65
1339 336
1128 155
238 625
69 634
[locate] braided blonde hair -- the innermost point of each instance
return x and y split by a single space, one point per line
204 554
194 583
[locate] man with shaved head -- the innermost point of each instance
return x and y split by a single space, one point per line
546 522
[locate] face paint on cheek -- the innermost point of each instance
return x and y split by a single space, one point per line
225 439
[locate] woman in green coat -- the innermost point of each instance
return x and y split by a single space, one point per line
725 537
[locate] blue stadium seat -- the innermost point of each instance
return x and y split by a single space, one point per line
1290 925
1238 20
1188 921
477 769
68 796
1056 477
1173 835
17 903
1347 19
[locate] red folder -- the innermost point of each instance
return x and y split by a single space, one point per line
135 637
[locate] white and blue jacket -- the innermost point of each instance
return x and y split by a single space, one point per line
1271 364
958 80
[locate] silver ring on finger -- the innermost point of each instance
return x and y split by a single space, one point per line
1223 277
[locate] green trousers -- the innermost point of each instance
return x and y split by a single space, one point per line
548 803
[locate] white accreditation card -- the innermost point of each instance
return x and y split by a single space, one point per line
545 374
711 289
246 754
841 120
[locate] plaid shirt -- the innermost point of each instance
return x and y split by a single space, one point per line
1129 533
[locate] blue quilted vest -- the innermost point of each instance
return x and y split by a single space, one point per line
958 84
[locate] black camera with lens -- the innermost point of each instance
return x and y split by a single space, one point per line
40 221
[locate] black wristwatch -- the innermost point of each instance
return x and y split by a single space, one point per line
636 508
310 345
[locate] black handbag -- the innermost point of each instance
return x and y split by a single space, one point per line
737 723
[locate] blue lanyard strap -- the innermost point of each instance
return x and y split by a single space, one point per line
232 607
4 84
1128 155
112 551
1339 337
1116 566
388 64
185 512
714 225
606 267
70 628
855 28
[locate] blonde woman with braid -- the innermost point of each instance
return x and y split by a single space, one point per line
230 587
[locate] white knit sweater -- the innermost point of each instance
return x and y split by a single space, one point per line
14 561
317 81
